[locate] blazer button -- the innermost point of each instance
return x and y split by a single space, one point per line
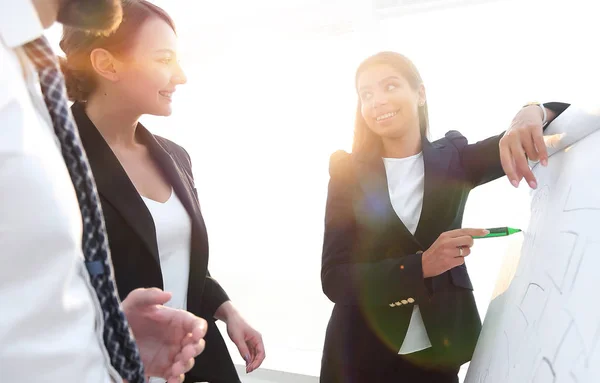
420 252
404 302
398 303
410 300
392 305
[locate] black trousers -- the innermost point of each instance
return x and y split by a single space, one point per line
397 369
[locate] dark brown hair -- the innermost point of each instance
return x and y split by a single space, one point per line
99 16
78 45
366 141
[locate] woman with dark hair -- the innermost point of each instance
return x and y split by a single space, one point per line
155 228
393 247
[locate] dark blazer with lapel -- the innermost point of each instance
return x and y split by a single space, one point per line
371 263
132 235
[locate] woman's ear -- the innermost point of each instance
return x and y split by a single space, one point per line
103 63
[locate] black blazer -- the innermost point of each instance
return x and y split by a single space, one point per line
371 263
132 236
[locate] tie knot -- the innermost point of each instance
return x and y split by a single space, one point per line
40 53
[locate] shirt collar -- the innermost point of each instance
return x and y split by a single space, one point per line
19 22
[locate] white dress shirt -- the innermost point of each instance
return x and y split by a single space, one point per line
406 185
50 318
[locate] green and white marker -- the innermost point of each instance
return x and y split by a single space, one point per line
500 232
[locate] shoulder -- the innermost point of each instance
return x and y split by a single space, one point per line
455 138
170 145
174 149
340 164
15 76
179 154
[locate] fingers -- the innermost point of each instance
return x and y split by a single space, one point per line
540 146
463 251
449 250
465 243
184 361
189 339
463 232
524 139
259 354
517 157
528 146
530 178
199 347
507 162
147 297
244 351
506 159
192 350
553 140
182 366
193 325
192 345
250 362
523 169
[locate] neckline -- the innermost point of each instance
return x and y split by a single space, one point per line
158 202
395 159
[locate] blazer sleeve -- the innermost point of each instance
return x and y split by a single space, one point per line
481 160
346 281
213 294
557 107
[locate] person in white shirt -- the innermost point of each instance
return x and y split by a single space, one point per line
393 246
51 321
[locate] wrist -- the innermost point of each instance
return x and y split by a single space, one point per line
226 312
542 110
425 265
551 115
